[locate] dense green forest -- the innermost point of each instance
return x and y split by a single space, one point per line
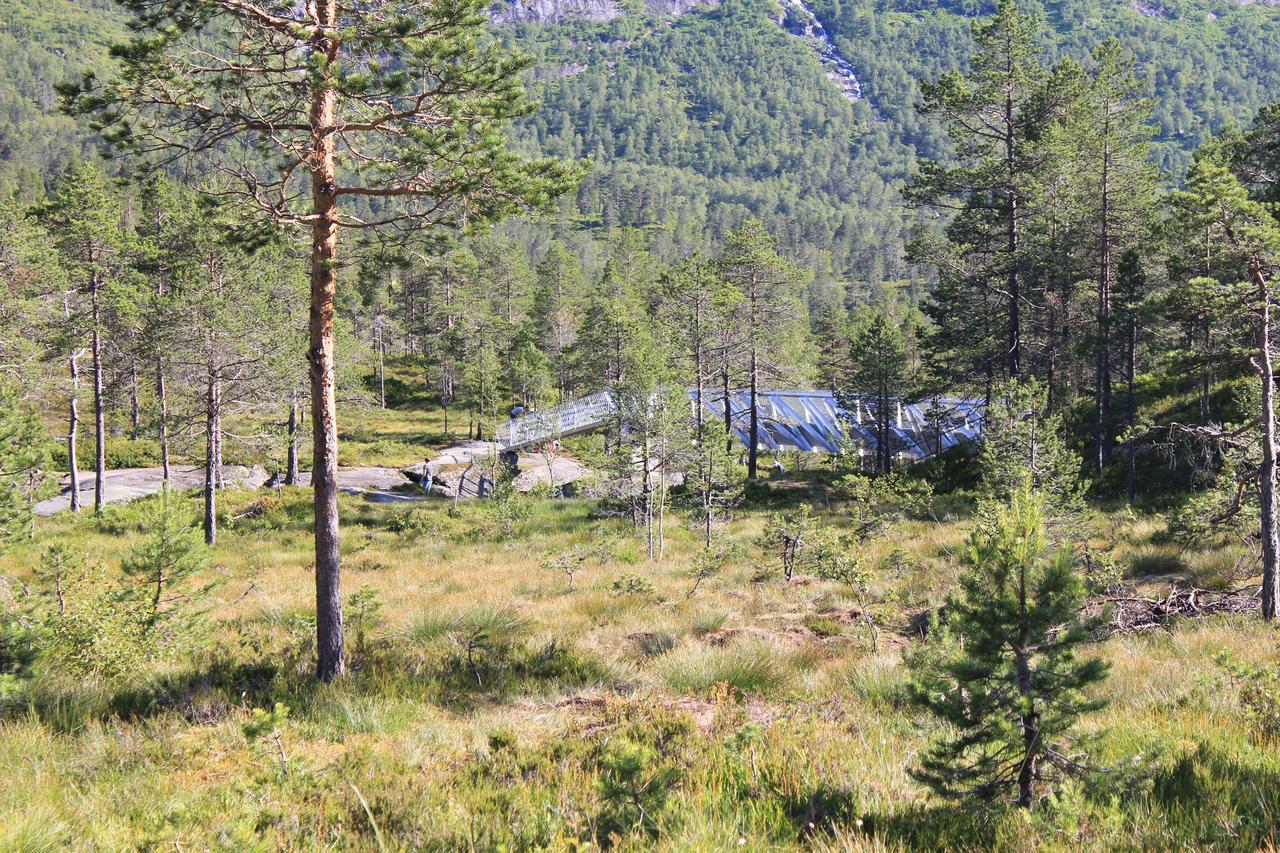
696 121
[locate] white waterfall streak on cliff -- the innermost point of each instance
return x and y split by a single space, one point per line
800 21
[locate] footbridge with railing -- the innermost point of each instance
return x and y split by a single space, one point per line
806 421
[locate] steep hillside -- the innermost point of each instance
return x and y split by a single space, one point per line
693 121
695 113
1205 62
41 44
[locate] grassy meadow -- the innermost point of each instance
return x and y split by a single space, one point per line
496 703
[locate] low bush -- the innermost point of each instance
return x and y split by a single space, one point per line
632 584
1257 694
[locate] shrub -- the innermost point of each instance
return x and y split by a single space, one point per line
707 564
787 537
1102 574
634 785
485 638
363 606
567 563
417 521
1257 694
506 508
632 584
94 622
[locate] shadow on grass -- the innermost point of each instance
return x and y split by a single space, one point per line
453 674
950 826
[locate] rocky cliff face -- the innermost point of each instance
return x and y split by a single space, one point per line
508 12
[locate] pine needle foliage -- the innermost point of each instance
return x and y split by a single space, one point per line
1006 676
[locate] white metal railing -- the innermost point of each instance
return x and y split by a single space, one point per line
581 415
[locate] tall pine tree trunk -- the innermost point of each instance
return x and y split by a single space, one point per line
291 461
162 399
1030 722
1012 278
73 431
1131 414
99 401
330 657
1205 378
210 460
697 367
1102 367
728 411
135 419
1267 478
753 452
218 480
382 373
73 413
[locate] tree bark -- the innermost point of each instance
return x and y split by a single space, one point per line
218 480
1015 297
1131 374
330 657
73 431
728 411
210 460
135 419
753 452
1102 367
382 375
99 402
162 397
291 461
1030 722
1267 479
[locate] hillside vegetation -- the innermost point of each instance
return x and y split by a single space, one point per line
696 120
495 701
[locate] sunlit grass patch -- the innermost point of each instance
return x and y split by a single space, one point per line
748 668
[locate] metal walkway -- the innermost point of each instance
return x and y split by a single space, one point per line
806 421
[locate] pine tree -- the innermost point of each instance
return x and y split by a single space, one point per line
1022 439
1249 233
770 318
1104 149
163 564
86 218
555 317
995 115
419 89
695 301
652 425
715 475
1006 677
1131 308
879 374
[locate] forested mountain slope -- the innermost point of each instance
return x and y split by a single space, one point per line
694 114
